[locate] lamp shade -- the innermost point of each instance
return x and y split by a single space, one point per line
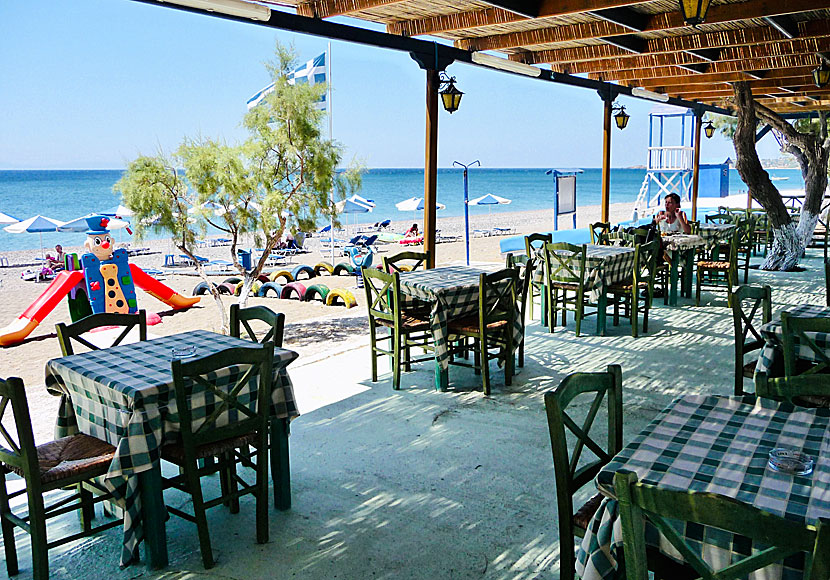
694 11
621 118
451 97
709 129
821 75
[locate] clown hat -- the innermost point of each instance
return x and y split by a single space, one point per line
97 224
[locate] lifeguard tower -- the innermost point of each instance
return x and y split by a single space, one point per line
669 167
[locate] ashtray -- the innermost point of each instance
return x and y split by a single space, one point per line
183 351
790 461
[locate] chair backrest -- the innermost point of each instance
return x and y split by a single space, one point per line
647 260
661 507
751 308
17 441
791 389
240 406
67 333
597 229
382 294
827 280
565 262
571 470
618 238
721 218
795 341
242 318
534 242
405 261
497 296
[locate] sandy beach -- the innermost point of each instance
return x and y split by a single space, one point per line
312 329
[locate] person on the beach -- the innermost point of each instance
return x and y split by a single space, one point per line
412 232
673 219
55 262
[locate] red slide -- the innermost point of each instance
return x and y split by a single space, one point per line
24 324
159 291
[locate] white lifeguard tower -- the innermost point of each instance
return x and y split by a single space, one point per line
669 167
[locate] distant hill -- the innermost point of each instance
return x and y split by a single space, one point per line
785 162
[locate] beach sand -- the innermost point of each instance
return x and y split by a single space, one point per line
312 329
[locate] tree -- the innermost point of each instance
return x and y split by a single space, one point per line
283 176
809 144
160 198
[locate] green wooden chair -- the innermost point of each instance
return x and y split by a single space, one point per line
67 333
492 326
628 293
751 308
73 461
383 302
715 274
271 330
534 245
242 318
565 268
639 502
618 238
571 470
525 267
597 231
827 281
746 242
801 390
405 262
237 420
794 331
722 218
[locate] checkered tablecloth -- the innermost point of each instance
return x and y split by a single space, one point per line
605 265
718 445
124 395
773 336
714 234
452 291
675 242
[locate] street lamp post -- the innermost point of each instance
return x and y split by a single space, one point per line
466 207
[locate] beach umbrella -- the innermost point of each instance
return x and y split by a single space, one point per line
7 219
489 200
362 200
415 204
35 225
348 206
121 211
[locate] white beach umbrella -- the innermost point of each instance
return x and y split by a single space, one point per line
489 200
349 206
415 204
35 225
7 219
121 211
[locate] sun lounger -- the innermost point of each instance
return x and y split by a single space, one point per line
222 265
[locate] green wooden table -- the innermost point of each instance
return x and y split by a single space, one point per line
124 395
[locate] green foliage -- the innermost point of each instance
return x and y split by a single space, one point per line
725 124
282 177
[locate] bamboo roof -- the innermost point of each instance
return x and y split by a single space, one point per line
772 44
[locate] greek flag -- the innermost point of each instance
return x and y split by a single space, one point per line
314 71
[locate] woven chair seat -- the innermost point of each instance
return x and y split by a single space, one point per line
622 287
564 285
469 324
174 452
819 401
711 265
71 456
584 515
408 323
749 369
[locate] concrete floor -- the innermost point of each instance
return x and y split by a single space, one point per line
420 484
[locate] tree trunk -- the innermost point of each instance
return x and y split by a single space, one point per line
786 249
217 297
247 283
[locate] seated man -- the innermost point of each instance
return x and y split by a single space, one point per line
56 262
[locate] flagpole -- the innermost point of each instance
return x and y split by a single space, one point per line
328 108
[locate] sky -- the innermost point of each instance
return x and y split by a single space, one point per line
92 84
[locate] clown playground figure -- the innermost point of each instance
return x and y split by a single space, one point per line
109 282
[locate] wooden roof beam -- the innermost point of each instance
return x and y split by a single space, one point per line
625 17
709 47
689 79
526 8
603 59
783 24
593 30
328 8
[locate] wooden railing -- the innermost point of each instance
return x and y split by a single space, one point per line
670 158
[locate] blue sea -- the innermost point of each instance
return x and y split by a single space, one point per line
66 195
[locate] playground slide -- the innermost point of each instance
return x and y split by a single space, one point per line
159 291
40 308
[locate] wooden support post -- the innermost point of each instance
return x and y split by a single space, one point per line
606 160
431 166
696 164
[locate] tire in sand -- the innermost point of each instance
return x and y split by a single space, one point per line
303 269
323 267
293 288
273 287
281 274
316 291
343 269
344 296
